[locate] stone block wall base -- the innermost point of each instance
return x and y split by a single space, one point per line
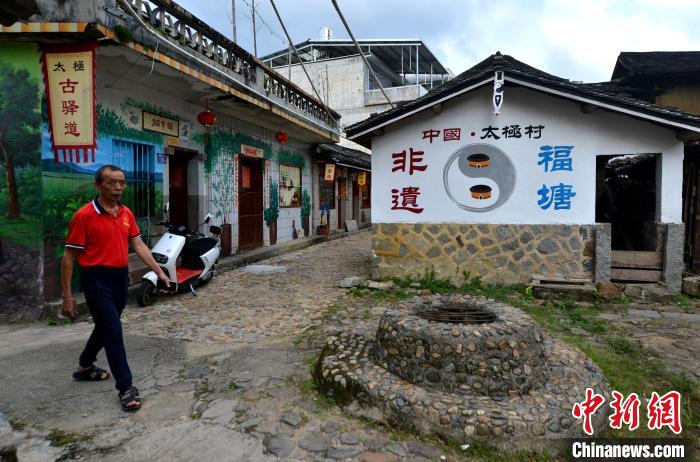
503 254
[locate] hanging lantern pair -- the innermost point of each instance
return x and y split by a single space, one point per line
281 136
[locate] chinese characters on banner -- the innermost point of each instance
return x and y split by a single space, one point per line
266 186
251 151
662 411
160 124
236 169
361 178
329 174
69 80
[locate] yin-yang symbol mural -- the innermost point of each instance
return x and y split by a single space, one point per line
479 177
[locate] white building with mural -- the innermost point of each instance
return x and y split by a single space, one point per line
191 118
504 173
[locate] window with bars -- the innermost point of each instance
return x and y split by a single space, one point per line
138 162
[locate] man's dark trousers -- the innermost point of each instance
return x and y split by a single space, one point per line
106 292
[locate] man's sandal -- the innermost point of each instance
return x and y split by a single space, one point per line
129 399
91 374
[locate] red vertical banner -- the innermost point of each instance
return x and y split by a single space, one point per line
69 79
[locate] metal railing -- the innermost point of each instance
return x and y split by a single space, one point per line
178 24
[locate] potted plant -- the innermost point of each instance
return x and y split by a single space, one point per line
272 212
222 199
305 211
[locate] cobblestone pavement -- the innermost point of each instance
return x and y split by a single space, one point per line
244 381
225 375
244 307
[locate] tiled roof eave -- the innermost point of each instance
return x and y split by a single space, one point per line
563 88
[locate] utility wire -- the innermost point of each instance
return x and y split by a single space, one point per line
264 23
359 50
156 35
257 13
296 53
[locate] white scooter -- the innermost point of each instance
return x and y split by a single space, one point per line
187 264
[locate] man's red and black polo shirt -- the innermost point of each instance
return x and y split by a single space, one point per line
102 238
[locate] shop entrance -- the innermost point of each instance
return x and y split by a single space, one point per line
250 205
342 198
177 183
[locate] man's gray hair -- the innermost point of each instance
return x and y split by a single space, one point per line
99 178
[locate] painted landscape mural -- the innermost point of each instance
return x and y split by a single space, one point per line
67 186
20 187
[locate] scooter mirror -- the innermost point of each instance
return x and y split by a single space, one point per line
207 218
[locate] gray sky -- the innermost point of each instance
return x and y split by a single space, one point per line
574 39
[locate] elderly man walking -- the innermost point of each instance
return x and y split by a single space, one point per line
98 237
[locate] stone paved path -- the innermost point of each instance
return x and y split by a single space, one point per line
222 375
237 379
670 331
239 307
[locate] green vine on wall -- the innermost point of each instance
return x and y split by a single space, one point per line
110 124
148 107
271 213
291 158
224 142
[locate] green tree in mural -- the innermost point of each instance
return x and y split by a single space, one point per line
20 138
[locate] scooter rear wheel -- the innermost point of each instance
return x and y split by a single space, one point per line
145 293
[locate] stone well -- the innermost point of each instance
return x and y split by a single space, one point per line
464 368
469 345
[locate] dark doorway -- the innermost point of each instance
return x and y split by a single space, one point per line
177 174
355 201
250 203
626 198
342 195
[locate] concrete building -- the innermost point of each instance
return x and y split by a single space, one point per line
193 119
406 68
500 173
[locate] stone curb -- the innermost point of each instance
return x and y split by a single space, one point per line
52 309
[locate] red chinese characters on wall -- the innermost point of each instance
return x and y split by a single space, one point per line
406 198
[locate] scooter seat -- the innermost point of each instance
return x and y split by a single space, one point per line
191 254
184 274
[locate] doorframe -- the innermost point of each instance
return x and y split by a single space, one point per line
261 164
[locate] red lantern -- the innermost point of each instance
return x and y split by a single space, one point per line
282 136
206 118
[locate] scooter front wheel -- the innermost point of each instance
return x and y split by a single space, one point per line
146 293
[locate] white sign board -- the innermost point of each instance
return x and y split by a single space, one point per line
533 163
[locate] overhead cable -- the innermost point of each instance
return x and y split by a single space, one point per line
296 53
359 50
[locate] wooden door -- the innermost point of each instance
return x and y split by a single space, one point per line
342 194
250 203
355 201
177 171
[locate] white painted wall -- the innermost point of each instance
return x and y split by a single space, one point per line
599 133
